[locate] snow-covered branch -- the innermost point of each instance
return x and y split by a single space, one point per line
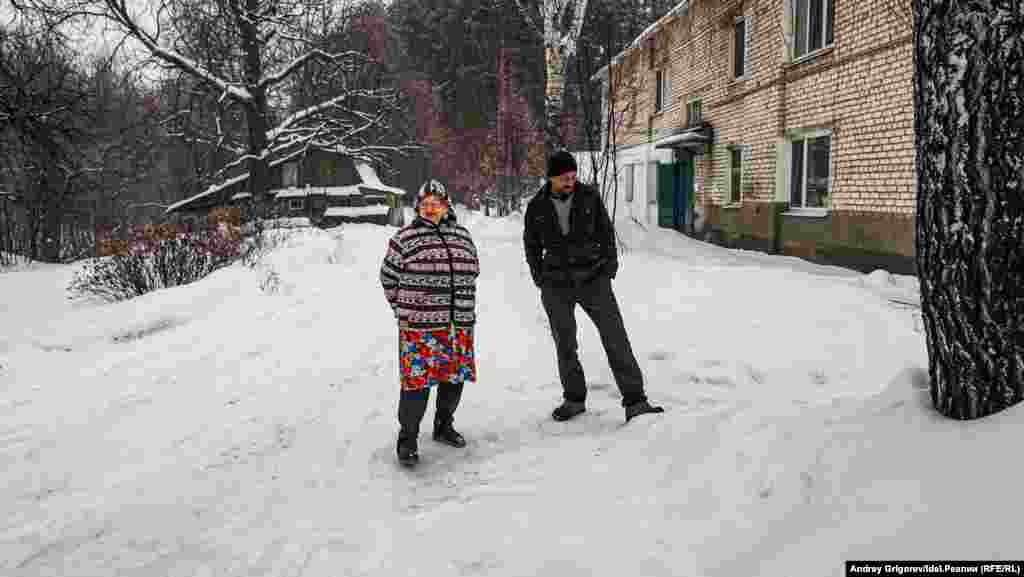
317 54
530 18
119 13
302 115
569 41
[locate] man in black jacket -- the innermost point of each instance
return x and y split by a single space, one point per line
570 247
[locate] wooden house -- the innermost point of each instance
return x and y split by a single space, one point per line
324 186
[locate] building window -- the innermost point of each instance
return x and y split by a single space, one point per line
810 183
662 90
741 47
652 180
695 113
812 25
735 174
290 174
629 182
328 170
295 204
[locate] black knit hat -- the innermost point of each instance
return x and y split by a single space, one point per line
432 188
560 163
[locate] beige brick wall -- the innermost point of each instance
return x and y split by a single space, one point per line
860 89
872 165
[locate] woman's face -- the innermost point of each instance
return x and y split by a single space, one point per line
433 208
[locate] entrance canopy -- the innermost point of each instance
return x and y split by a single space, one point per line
691 140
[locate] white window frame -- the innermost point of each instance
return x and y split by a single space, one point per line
296 204
689 111
662 82
745 157
826 24
747 39
805 136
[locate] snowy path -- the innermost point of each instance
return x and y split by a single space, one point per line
246 427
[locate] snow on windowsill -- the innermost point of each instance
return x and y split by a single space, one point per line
808 212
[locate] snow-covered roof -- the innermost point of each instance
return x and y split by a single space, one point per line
294 192
372 210
350 190
369 177
241 195
649 31
213 189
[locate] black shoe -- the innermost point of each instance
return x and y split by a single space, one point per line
641 408
449 436
408 455
568 410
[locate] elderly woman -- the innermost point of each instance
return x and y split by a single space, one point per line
429 278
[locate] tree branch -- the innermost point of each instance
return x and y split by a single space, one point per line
120 15
317 54
530 18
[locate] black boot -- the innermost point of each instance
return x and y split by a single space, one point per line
411 407
641 408
449 436
408 452
568 410
448 396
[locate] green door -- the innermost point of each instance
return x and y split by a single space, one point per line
666 195
683 193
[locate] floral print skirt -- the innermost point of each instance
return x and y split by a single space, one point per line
429 358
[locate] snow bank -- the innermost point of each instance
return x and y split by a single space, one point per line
224 429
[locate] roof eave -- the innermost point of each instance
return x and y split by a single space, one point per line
682 6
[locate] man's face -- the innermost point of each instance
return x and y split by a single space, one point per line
563 183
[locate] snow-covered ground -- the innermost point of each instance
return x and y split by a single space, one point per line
244 425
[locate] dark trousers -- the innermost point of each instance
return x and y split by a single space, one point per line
598 301
412 405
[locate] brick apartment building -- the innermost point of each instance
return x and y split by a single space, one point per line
779 125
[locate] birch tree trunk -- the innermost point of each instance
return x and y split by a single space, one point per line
554 84
559 48
969 106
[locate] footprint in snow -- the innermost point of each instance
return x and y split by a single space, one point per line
661 356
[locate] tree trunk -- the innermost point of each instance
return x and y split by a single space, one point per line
553 87
256 111
968 83
52 217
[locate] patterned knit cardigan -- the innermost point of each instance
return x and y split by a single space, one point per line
429 275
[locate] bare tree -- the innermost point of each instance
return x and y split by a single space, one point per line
49 152
262 50
968 74
559 29
609 105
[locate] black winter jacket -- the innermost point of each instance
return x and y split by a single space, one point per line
586 253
